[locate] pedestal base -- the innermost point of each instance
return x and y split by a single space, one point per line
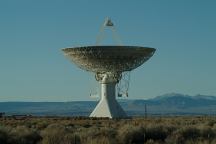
106 109
108 106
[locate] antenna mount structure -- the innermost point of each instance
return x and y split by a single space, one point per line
108 63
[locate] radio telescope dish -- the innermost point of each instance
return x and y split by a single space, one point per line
108 58
108 63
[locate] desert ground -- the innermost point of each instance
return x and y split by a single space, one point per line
83 130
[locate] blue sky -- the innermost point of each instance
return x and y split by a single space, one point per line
33 68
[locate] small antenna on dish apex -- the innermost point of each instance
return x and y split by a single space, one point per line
110 25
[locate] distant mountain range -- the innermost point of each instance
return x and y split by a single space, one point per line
167 104
175 104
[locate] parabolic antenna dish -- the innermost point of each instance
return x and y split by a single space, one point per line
108 58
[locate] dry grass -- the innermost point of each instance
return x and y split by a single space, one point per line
79 130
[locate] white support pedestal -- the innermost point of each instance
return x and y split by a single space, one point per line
108 106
